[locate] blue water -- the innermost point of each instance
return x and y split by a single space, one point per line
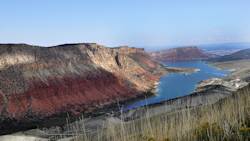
179 84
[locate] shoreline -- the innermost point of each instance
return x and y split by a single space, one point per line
237 69
182 70
211 92
154 89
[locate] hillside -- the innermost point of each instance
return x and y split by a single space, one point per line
226 120
239 55
40 86
180 54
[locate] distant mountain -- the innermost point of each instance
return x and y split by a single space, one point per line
224 48
239 55
181 54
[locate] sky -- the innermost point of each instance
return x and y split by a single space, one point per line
138 23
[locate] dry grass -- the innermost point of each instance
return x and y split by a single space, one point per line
227 120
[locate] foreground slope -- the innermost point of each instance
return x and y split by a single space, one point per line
226 120
41 84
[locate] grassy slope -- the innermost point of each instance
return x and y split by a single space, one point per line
227 120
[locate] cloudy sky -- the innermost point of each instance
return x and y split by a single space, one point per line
149 23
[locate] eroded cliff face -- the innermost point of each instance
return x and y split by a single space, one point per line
40 83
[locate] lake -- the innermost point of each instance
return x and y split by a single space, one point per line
179 84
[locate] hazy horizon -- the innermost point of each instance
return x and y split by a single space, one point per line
147 24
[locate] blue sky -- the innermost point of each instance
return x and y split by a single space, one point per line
124 22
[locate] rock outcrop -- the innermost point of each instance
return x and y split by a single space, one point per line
181 54
40 84
231 85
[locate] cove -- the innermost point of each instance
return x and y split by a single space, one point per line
174 85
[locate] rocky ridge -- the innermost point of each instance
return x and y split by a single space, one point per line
40 84
232 85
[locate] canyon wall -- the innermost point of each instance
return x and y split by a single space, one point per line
38 84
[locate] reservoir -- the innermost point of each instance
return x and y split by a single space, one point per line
174 85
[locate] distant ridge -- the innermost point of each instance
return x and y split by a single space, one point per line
222 49
181 54
239 55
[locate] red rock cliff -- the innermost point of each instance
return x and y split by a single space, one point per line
40 83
